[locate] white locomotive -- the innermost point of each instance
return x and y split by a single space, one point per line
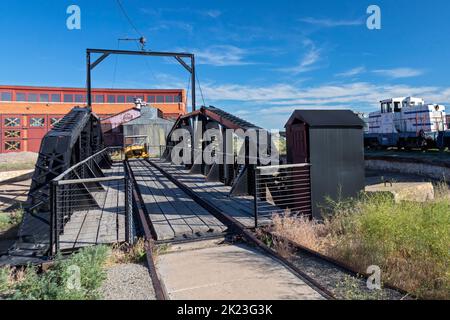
407 123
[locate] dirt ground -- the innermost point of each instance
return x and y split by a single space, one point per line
17 161
12 197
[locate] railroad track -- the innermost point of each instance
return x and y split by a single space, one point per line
249 236
235 228
342 266
425 157
160 293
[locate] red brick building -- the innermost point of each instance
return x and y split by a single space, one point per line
27 113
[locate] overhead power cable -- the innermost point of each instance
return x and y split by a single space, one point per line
128 18
200 87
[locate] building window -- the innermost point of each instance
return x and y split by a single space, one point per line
44 97
99 99
151 99
32 97
12 134
169 99
56 98
12 122
111 99
130 99
159 99
12 145
6 96
68 98
177 98
79 98
54 121
37 122
20 96
120 99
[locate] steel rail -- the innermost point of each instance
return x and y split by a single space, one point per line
336 263
236 227
160 293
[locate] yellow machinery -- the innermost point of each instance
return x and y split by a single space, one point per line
136 147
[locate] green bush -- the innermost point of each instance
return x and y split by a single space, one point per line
4 221
60 282
4 280
10 219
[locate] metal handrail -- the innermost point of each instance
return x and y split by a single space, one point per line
74 181
285 166
62 175
294 184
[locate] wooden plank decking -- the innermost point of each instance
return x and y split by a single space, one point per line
172 212
241 208
104 225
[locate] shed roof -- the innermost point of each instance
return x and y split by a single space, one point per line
149 115
326 118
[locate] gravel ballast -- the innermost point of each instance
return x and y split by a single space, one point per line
128 282
339 282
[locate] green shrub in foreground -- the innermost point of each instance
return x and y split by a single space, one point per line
55 284
10 219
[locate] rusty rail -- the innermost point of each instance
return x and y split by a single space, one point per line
344 267
149 246
239 229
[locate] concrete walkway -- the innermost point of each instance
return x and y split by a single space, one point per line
229 272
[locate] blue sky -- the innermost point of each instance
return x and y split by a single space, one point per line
258 59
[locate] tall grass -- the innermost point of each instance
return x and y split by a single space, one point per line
53 284
126 253
409 241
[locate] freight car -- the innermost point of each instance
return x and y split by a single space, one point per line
407 123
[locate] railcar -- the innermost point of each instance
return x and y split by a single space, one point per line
407 123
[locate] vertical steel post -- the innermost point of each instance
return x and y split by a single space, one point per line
255 199
193 82
56 223
52 217
128 210
88 81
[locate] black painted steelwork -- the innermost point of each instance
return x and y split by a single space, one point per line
76 137
179 56
239 176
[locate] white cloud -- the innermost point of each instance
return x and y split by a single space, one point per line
329 23
222 55
270 106
171 24
212 13
352 72
328 95
398 73
307 62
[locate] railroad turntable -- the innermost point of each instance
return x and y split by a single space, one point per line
203 202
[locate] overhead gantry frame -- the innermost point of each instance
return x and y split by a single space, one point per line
179 56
